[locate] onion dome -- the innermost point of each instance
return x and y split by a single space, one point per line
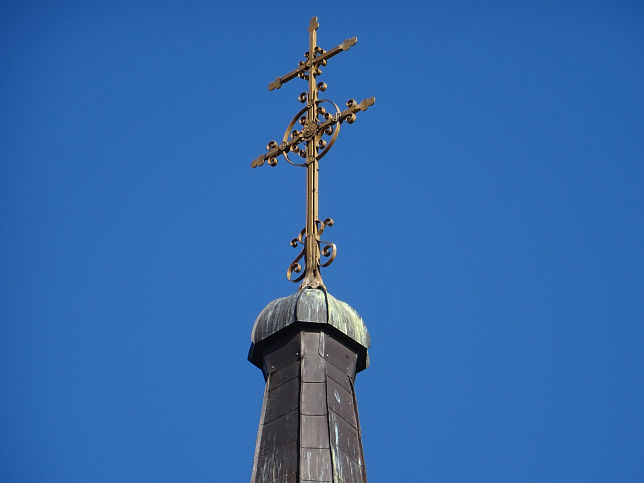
310 308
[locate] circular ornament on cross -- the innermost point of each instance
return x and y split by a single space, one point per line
328 126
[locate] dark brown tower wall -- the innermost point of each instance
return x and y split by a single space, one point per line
309 429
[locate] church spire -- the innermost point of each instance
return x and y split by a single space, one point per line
310 345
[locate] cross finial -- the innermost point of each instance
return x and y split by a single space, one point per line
313 24
308 142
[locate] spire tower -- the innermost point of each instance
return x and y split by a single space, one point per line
310 345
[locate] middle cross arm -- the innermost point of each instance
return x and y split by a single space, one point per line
274 150
348 114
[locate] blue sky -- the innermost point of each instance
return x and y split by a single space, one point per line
488 215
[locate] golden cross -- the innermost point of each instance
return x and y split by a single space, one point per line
316 124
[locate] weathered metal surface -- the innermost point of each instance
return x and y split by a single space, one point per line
282 353
339 355
285 374
345 468
315 465
309 405
340 401
314 431
345 436
338 376
313 400
292 478
279 463
345 318
309 143
309 306
313 369
282 399
310 343
280 432
275 316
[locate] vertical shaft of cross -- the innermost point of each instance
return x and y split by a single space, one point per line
312 277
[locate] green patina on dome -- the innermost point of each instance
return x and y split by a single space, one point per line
310 306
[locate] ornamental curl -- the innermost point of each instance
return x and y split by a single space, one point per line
325 249
296 267
329 251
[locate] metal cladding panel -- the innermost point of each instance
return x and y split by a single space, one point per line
345 437
281 353
340 355
284 374
315 465
314 431
310 343
313 399
345 468
280 432
313 369
282 399
338 376
278 464
340 401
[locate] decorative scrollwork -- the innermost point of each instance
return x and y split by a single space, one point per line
329 251
321 225
296 267
324 248
299 238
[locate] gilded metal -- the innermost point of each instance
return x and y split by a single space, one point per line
319 118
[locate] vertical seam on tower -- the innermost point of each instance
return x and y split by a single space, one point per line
326 390
299 406
355 410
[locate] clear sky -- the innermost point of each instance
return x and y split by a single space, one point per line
488 215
